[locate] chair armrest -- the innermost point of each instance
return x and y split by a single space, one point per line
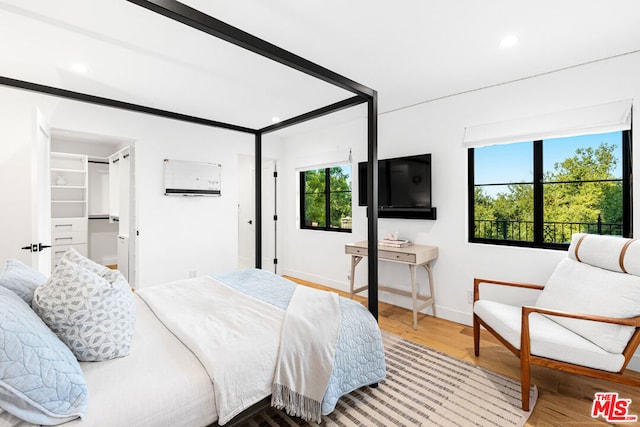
477 282
628 321
525 336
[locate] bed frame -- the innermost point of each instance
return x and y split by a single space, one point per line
216 28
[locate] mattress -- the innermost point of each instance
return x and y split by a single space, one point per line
161 383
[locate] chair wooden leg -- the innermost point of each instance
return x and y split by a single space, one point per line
476 335
525 380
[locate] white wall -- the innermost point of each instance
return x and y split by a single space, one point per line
177 234
437 127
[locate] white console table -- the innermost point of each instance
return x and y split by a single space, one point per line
413 256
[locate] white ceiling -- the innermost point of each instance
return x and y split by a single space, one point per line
410 51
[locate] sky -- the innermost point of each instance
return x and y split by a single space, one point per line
514 162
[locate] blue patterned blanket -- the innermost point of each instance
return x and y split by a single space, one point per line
359 359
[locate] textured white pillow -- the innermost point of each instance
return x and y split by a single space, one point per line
94 315
77 258
581 288
21 279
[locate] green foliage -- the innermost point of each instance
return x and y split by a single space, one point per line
316 193
577 190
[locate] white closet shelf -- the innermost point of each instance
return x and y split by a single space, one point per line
68 170
68 201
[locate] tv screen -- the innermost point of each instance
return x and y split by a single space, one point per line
403 182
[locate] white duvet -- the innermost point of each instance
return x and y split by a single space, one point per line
235 336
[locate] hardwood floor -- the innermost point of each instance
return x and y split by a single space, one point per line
564 399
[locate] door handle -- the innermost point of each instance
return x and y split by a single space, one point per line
249 222
36 247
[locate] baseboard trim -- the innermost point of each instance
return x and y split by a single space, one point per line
341 286
463 317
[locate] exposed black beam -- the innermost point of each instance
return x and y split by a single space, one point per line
372 203
323 111
198 20
210 25
258 200
107 102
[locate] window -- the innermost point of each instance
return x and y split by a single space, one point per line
538 193
325 199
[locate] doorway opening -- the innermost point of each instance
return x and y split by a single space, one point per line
93 198
246 213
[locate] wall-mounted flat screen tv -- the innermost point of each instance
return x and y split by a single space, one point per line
404 186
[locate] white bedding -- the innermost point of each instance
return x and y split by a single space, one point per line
235 336
145 388
307 353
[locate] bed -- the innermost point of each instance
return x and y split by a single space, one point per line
162 382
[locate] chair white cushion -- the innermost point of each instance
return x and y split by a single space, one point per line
606 252
581 288
548 338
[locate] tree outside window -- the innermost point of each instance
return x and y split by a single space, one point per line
539 193
325 199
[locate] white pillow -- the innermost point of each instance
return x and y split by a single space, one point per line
21 279
94 315
581 288
77 258
40 380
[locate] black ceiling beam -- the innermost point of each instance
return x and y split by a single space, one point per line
210 25
323 111
108 102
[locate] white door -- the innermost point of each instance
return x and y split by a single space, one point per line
246 213
25 221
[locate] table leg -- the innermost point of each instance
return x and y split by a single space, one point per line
354 261
429 269
414 294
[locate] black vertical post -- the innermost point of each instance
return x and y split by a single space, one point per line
258 200
627 196
538 194
372 202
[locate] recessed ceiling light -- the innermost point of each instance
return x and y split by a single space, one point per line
509 41
79 68
275 119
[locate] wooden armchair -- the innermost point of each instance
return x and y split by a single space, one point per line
586 319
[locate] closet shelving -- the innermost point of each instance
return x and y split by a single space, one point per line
69 200
68 185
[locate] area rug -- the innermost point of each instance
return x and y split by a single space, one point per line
423 388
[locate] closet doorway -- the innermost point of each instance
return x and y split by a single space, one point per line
246 213
93 198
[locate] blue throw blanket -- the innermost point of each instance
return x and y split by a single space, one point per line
359 358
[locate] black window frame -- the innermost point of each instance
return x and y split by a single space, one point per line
538 198
327 193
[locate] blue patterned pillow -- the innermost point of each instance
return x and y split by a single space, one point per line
40 379
21 279
94 314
